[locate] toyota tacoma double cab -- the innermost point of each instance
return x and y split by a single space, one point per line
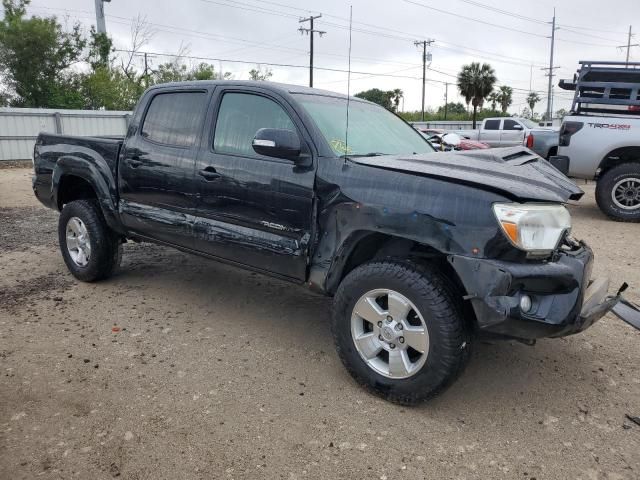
421 251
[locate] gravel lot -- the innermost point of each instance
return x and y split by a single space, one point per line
179 367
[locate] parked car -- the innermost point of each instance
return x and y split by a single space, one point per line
421 251
509 131
600 138
435 137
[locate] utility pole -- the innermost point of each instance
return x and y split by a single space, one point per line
146 75
551 68
446 99
310 31
629 44
424 44
100 24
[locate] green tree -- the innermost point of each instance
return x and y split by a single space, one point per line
532 99
259 74
505 97
475 83
100 49
561 113
35 54
175 71
375 95
453 109
110 89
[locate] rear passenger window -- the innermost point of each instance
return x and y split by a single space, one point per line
240 116
175 118
492 125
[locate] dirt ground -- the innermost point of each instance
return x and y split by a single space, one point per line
179 367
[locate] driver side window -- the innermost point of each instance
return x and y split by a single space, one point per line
240 116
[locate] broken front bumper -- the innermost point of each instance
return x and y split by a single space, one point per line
563 299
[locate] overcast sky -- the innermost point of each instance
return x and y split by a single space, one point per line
510 35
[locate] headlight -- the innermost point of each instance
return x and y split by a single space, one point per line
532 227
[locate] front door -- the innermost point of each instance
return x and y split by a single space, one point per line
156 171
252 209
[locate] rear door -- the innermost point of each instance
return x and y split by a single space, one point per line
156 170
512 133
252 209
490 132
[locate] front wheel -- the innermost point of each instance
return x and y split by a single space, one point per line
399 331
618 192
90 249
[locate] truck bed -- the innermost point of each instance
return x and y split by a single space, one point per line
50 149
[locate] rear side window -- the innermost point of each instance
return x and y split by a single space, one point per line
175 118
241 115
492 125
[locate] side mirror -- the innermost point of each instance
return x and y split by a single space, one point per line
278 143
517 127
452 139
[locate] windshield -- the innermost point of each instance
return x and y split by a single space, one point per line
528 123
373 130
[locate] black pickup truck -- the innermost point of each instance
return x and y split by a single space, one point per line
420 250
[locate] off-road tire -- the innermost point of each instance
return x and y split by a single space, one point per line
449 337
106 245
604 188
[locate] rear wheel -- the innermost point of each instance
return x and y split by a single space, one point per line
90 249
399 331
618 192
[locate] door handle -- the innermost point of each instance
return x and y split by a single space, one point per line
209 173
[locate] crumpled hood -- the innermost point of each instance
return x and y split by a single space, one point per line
515 171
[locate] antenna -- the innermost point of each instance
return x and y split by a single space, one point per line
346 130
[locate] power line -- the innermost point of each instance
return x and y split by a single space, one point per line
405 38
274 64
503 27
221 38
539 21
475 19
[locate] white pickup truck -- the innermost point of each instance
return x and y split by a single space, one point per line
511 131
600 138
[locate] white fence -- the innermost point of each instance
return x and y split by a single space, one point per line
19 127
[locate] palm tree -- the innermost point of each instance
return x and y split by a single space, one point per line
505 97
493 98
532 99
475 83
396 97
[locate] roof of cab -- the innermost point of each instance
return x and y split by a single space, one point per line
277 87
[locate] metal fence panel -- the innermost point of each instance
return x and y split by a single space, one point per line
19 127
87 125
